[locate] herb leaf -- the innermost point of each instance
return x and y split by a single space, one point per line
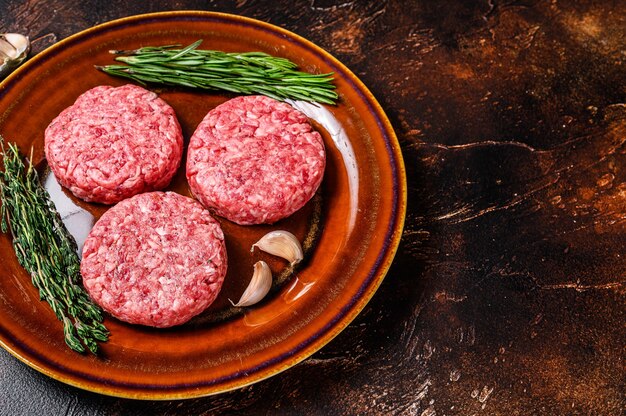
242 73
47 251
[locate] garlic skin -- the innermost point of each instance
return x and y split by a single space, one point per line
14 49
258 287
282 244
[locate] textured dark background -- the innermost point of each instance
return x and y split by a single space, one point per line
507 295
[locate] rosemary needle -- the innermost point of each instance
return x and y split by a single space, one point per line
241 73
48 252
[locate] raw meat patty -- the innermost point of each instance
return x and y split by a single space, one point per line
155 259
255 160
113 143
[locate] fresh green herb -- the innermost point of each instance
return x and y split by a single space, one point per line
47 251
241 73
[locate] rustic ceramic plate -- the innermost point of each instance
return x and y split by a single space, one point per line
351 229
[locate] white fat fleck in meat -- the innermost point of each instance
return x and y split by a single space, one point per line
255 160
155 259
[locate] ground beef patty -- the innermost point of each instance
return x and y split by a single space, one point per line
113 143
155 259
255 160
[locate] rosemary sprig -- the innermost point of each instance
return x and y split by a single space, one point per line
47 251
241 73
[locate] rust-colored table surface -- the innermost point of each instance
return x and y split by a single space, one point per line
507 295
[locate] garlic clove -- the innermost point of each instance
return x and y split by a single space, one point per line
281 243
13 45
258 287
14 49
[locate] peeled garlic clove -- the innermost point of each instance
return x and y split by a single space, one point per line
258 287
281 243
14 49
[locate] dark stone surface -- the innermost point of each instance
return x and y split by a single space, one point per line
507 294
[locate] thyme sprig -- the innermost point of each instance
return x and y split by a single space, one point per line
47 251
241 73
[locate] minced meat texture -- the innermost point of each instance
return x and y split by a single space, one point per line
113 143
155 259
255 160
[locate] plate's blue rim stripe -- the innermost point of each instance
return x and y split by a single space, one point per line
374 109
